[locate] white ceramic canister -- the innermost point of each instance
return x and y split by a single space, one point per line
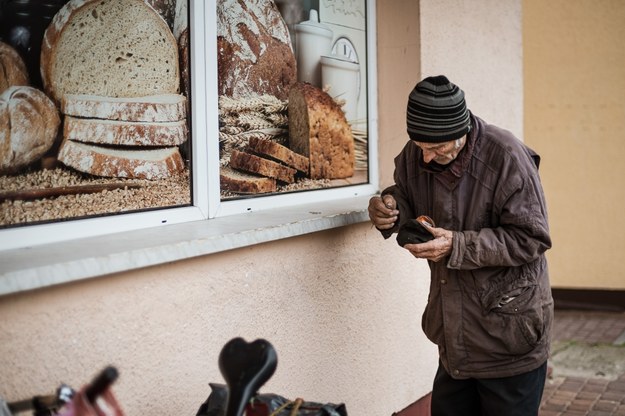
312 40
342 76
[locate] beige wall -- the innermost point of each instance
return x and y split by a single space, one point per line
575 118
342 307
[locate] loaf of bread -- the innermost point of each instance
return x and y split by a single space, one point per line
13 70
29 123
153 108
318 129
254 52
244 183
261 166
125 133
115 48
121 163
274 150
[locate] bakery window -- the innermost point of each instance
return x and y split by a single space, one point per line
122 115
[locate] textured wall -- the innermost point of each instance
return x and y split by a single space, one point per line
341 307
478 45
575 118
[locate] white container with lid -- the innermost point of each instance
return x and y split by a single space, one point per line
312 40
340 71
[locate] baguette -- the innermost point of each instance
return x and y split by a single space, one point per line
125 133
121 163
153 108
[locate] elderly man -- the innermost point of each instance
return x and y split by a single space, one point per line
490 308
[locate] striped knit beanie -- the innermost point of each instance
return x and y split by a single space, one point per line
437 111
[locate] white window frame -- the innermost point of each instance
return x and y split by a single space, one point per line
206 204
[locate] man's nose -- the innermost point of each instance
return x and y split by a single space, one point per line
428 156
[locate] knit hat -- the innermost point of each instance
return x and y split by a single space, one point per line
437 111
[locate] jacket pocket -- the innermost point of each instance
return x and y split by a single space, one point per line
515 317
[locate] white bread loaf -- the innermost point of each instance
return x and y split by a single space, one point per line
121 163
244 183
153 108
116 48
254 52
319 130
29 124
125 133
261 166
12 68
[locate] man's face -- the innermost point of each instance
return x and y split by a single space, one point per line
441 153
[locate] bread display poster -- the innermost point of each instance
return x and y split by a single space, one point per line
292 95
93 108
94 103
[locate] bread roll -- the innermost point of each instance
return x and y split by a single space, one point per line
29 123
115 48
12 68
318 129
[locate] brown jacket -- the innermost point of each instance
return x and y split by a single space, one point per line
490 307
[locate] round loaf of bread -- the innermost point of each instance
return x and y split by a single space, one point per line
254 52
29 123
12 68
114 48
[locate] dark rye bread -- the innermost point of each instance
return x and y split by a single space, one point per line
261 166
244 183
318 129
254 52
114 48
276 151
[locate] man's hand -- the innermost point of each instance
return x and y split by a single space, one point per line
436 249
383 212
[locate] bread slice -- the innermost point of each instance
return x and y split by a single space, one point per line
243 183
261 166
277 151
121 163
125 133
318 129
116 48
152 108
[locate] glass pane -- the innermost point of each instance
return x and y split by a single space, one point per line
94 120
292 84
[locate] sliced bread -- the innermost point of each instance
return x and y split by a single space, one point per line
244 183
318 129
261 166
125 133
121 163
279 152
152 108
117 48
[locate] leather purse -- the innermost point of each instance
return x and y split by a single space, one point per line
414 231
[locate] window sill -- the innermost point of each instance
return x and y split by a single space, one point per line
49 264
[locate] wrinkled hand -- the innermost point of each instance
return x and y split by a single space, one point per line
383 212
436 249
